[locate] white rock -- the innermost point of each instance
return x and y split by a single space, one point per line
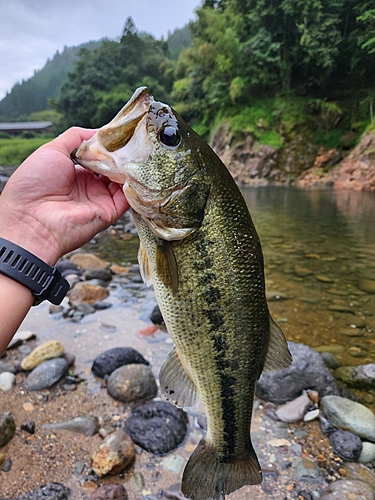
7 381
368 453
311 415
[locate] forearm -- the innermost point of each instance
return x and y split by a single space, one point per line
15 300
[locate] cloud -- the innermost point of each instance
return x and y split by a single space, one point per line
31 31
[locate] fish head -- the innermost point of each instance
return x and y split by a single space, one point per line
158 158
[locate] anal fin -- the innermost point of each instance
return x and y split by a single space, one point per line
175 384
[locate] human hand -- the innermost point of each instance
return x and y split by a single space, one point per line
50 206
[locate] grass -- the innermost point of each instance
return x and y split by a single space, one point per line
13 151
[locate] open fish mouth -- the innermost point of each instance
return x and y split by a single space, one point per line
101 153
121 129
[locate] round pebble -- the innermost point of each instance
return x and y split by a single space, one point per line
347 445
132 383
46 374
157 427
110 492
110 360
7 381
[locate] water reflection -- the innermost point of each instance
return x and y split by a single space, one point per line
319 251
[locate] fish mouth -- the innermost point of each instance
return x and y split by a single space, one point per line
101 152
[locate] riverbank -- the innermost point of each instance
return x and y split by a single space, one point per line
299 162
297 458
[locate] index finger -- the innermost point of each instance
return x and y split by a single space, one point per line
71 139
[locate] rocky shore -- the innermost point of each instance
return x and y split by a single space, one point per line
74 426
298 162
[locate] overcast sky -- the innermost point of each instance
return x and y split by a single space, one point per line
32 30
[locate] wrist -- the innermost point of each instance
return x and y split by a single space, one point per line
26 232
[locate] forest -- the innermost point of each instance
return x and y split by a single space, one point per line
265 66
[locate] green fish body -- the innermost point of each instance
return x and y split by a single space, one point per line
200 250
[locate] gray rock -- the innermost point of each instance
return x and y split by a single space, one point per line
98 274
110 360
46 375
348 489
157 427
110 492
306 469
7 367
7 428
7 381
347 445
307 371
349 415
87 425
50 491
295 410
330 360
132 383
368 453
362 376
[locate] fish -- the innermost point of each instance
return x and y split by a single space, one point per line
200 250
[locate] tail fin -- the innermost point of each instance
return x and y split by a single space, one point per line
207 477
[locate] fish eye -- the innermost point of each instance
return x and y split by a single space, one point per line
170 136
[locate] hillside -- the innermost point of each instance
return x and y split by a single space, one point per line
32 95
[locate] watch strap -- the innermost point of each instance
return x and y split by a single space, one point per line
44 281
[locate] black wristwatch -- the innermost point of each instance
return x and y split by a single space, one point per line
44 281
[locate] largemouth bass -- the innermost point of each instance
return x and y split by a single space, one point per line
200 250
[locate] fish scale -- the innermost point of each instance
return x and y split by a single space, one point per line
200 250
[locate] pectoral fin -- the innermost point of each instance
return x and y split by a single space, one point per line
278 355
166 265
144 265
175 384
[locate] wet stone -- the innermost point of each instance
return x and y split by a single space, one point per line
330 360
110 360
347 445
307 371
349 415
84 308
85 292
132 383
115 454
50 491
341 308
306 469
173 463
157 427
362 376
344 489
367 285
357 351
110 492
46 375
352 332
7 428
356 471
66 265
